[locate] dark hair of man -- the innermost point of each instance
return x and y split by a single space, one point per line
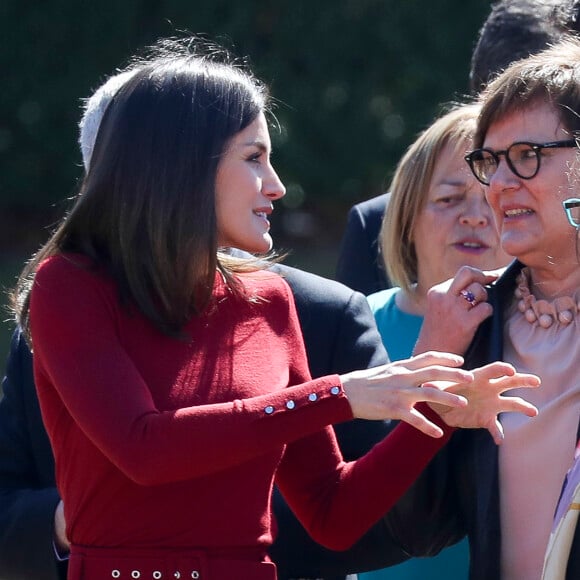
551 76
514 30
146 207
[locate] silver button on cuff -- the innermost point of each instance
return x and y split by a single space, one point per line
312 397
335 390
290 404
269 410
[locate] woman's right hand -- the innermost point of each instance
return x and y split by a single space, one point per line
391 391
455 309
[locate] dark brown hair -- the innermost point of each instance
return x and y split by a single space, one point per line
146 207
515 29
551 76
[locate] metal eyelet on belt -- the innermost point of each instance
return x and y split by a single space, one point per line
195 574
157 575
115 574
135 574
177 575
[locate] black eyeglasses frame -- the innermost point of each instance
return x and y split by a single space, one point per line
536 147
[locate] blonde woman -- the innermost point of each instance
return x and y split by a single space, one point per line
437 220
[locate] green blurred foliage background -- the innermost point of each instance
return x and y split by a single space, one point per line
355 81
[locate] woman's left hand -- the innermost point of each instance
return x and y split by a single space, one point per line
485 400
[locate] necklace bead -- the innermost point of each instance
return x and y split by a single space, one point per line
528 313
544 312
545 320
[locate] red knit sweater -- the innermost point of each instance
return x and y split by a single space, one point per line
170 443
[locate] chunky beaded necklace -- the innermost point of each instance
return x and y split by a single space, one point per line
545 312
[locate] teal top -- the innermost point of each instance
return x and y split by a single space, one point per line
398 329
399 332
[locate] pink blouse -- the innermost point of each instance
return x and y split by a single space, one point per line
537 452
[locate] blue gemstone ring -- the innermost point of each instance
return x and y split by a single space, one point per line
469 296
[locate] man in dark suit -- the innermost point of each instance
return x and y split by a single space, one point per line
360 264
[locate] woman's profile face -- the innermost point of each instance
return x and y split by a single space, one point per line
528 212
455 225
246 187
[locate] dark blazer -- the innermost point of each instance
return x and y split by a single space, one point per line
340 336
360 265
457 495
465 475
28 498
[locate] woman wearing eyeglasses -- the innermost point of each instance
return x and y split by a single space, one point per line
504 498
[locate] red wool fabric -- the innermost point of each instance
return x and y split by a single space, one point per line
163 442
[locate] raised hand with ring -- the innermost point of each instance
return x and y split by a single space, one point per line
447 327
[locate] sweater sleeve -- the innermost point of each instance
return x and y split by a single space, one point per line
83 372
338 502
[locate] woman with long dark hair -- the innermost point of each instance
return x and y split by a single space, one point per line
172 376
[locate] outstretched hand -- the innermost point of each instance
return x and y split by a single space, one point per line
485 398
391 391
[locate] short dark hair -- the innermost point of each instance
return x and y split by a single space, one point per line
516 29
146 208
551 76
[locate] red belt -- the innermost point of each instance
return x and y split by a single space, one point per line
157 564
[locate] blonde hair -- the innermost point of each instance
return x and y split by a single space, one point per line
410 185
